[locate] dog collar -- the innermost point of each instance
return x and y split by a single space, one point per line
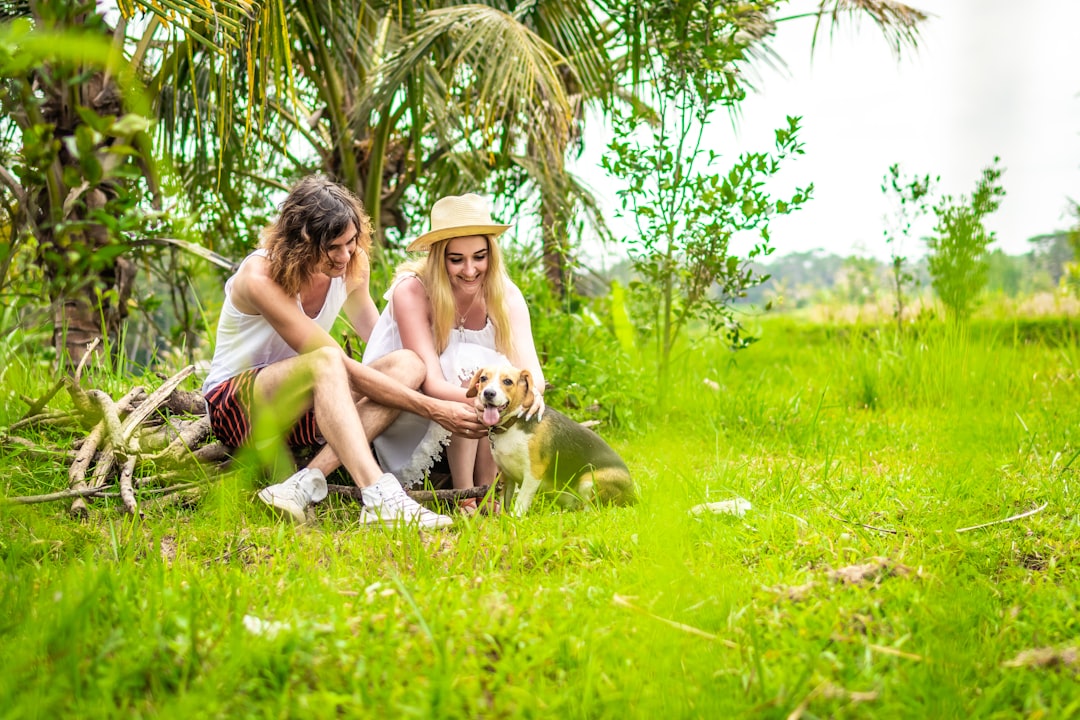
503 427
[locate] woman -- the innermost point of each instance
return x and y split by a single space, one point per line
458 310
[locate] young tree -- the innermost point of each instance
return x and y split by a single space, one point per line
911 198
686 210
958 248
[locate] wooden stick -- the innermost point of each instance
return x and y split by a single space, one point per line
186 440
110 415
212 453
158 437
78 395
60 495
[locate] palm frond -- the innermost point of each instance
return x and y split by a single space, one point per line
496 69
899 23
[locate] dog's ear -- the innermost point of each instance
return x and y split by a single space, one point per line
474 384
527 395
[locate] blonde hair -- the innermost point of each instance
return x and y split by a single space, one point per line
316 212
436 281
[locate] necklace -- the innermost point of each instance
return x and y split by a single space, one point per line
462 316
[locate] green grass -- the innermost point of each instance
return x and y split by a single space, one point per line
851 445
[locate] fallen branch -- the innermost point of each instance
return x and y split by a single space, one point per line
97 492
419 495
59 495
36 406
1011 518
52 417
127 491
77 471
127 441
152 403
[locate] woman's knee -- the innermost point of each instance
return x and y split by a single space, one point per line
405 366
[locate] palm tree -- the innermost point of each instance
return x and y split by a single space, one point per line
78 148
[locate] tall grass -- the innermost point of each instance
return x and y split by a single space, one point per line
851 444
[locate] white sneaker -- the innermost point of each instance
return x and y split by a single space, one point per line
387 503
296 493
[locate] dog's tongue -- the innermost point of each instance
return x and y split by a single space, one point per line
491 415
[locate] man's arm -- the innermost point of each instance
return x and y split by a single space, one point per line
457 417
254 292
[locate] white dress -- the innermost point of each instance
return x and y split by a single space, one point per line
410 446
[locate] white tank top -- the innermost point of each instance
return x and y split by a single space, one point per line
249 341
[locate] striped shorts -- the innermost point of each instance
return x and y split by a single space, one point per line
230 406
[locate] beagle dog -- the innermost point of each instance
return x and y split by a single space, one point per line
554 457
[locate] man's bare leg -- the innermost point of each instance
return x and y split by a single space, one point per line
408 370
319 379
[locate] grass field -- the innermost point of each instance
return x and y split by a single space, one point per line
847 590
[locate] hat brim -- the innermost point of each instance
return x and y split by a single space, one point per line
428 239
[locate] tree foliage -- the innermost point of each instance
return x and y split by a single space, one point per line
401 102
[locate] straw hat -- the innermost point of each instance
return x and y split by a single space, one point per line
457 216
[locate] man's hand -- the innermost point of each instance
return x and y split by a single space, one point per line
459 418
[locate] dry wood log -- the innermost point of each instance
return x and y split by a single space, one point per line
156 438
77 471
104 446
127 490
74 385
188 439
152 403
215 452
185 402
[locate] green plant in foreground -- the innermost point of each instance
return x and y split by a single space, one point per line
958 248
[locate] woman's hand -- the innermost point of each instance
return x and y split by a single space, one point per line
536 409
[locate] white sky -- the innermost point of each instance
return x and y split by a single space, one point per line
990 77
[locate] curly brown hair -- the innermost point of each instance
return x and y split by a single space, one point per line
316 212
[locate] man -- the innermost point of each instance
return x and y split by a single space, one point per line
276 369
